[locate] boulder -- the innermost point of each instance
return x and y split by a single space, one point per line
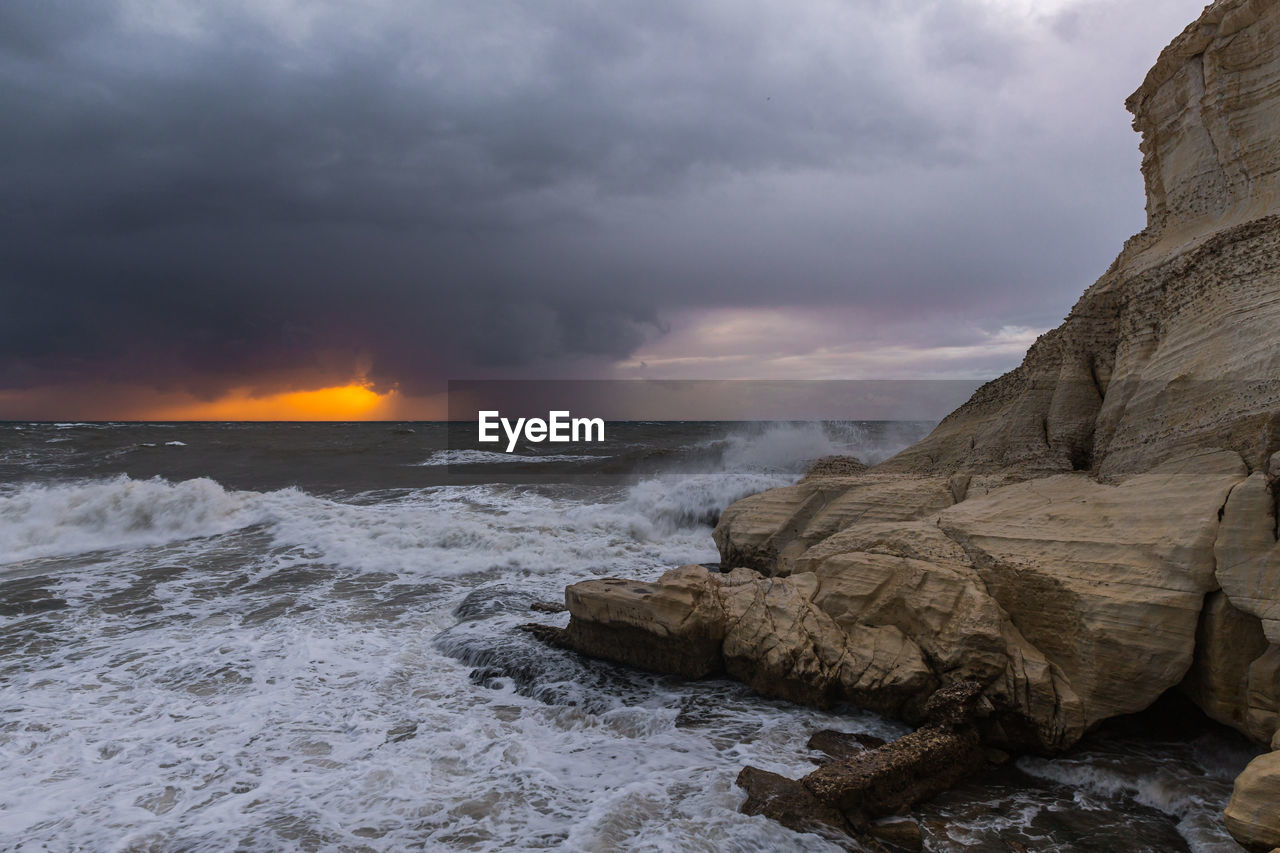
1105 581
676 625
1253 814
781 643
768 531
1070 600
835 466
789 803
768 633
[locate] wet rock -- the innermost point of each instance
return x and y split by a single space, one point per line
900 832
549 634
898 775
789 803
841 745
489 601
997 757
519 659
25 596
868 785
548 607
674 626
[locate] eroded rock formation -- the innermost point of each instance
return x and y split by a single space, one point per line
1252 815
848 794
1090 529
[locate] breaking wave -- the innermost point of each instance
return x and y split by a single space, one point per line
490 457
294 670
39 520
1190 788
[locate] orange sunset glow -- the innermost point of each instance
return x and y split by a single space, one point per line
352 402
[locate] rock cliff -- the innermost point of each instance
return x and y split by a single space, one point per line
1175 346
1091 529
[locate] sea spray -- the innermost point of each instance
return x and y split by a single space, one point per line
206 648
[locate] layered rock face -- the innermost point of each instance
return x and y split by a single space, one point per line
1210 130
1072 600
1089 530
1175 346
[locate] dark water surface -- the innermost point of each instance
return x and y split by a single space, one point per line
302 636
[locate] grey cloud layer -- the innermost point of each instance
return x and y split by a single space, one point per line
196 194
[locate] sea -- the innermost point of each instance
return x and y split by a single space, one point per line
275 637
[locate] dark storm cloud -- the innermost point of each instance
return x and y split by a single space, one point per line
199 195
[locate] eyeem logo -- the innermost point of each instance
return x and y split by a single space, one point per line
559 427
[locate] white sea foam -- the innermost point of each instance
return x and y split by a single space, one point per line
459 530
665 504
490 457
1191 792
271 670
788 446
780 447
39 520
441 531
267 694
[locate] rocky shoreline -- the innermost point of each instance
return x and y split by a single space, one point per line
1091 530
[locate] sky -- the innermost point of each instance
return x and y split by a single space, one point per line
317 209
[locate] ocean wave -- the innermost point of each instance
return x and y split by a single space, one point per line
438 531
791 446
779 447
490 457
435 532
304 678
1181 789
43 520
669 503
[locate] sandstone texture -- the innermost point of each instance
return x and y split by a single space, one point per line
1087 531
1234 677
1071 600
1252 815
1175 346
768 531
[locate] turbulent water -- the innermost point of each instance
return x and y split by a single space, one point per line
266 637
